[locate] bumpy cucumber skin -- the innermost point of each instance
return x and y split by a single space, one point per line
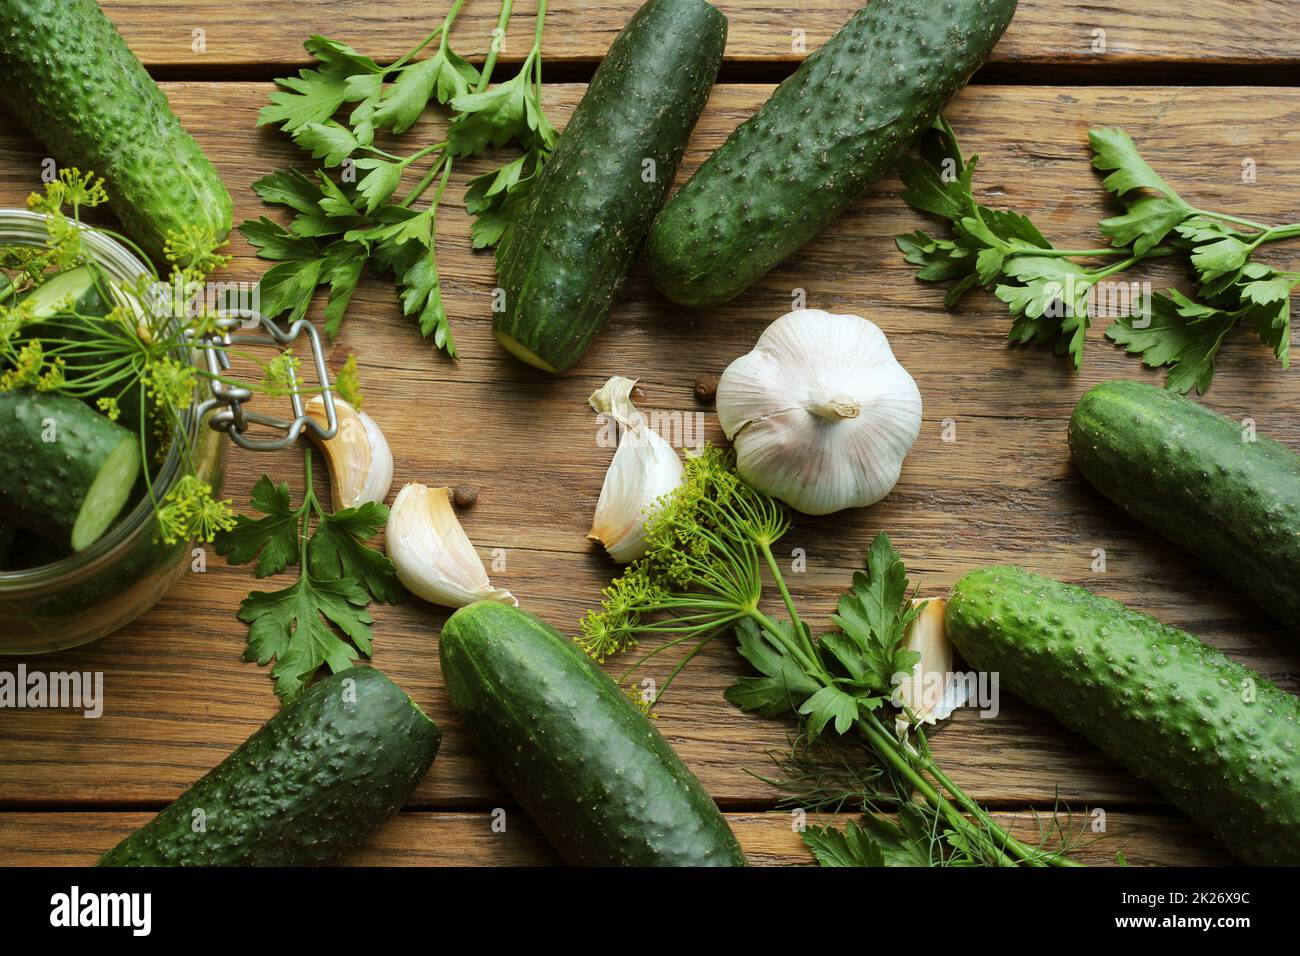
71 79
591 771
565 260
1187 473
320 775
44 483
838 123
1170 708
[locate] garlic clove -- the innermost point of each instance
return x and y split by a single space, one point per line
820 412
434 558
931 691
359 460
643 470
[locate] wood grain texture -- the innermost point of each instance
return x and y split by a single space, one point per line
1100 37
468 839
179 699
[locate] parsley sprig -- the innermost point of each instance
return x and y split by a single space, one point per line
1052 292
303 626
710 553
341 224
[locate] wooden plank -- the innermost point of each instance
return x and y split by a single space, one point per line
178 699
468 839
1101 38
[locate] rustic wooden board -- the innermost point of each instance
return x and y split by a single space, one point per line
468 839
1074 33
179 699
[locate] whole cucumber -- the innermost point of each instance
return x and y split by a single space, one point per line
1217 740
313 782
564 261
589 769
1213 488
839 122
70 78
66 471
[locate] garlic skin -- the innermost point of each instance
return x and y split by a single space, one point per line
820 412
359 460
644 469
431 552
931 691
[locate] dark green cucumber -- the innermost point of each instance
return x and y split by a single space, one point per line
66 471
1216 739
1203 481
589 769
838 123
320 775
563 262
70 78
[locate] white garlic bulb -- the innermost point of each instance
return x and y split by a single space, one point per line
431 552
820 412
359 460
644 469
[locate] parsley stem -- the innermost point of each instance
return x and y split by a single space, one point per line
1072 253
485 78
442 32
1227 218
494 48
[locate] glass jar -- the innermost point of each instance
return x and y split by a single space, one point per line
92 593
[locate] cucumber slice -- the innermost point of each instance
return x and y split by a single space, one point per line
67 471
72 290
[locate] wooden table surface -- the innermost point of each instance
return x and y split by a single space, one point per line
1201 85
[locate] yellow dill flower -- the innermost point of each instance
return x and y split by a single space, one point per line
190 513
27 367
193 252
348 383
281 373
170 383
109 407
52 379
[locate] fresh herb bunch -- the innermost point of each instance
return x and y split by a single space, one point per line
338 575
709 544
1048 290
134 361
340 227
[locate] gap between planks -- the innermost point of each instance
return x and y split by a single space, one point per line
1150 73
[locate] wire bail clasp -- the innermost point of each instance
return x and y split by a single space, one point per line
226 405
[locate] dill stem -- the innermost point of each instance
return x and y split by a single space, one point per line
883 745
982 815
770 558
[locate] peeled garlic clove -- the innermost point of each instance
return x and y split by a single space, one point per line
820 412
431 552
931 691
644 469
359 461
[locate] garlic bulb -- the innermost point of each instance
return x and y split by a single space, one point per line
431 552
931 691
644 469
359 461
820 412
